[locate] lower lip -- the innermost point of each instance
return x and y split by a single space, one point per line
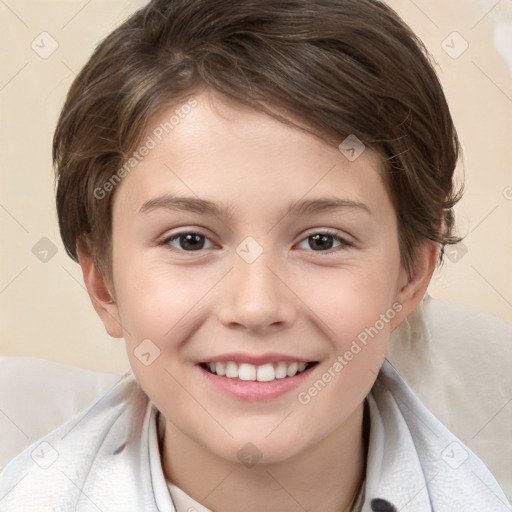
254 390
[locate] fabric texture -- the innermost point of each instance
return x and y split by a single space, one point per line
36 396
457 359
101 459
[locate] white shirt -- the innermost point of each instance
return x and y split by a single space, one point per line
107 458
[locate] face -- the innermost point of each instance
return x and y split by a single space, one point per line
245 246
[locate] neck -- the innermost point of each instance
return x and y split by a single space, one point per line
326 477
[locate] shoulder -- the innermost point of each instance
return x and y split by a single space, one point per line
94 453
445 471
456 358
38 395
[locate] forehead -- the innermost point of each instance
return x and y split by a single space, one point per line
215 148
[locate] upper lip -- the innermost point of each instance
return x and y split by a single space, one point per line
238 357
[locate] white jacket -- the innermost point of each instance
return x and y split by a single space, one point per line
104 459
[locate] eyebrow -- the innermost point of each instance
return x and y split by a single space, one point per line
204 206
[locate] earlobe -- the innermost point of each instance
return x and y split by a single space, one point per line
413 290
99 292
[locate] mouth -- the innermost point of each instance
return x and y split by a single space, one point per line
267 372
251 377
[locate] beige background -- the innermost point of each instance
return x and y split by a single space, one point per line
45 310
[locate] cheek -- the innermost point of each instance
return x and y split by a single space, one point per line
156 307
356 318
153 301
355 310
346 301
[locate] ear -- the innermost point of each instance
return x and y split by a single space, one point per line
98 289
412 290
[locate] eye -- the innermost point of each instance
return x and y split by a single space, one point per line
323 242
191 241
188 241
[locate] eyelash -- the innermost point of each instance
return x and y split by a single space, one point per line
344 243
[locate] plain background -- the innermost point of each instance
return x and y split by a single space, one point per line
45 309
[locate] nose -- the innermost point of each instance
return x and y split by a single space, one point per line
256 297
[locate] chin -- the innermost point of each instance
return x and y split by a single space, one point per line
251 451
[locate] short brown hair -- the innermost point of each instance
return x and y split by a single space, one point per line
344 67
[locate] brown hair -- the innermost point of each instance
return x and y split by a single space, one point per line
343 67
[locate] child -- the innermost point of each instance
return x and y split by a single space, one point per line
204 154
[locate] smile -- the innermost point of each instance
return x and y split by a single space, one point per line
262 373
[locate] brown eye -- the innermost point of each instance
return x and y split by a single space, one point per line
321 242
186 241
324 242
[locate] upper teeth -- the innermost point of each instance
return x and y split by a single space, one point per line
264 373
